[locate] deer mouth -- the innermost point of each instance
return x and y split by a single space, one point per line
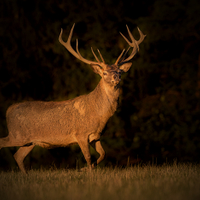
116 82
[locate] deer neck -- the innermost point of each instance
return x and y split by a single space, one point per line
110 94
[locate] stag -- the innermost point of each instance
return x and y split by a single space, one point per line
79 120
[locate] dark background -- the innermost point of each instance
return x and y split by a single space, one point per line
158 119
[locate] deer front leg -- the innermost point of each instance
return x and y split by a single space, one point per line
97 146
84 145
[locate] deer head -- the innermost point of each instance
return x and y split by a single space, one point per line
110 73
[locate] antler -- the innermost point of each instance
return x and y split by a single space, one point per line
134 44
76 53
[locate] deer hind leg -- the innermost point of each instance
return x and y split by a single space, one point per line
21 154
97 146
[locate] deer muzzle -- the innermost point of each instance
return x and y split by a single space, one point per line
116 79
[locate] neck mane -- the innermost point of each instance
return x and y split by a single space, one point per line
109 96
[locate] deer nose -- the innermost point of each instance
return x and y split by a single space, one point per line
116 77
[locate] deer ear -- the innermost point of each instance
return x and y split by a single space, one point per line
125 67
97 69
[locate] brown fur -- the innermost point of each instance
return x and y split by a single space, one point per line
55 124
79 120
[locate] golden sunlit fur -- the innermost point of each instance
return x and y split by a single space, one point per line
58 124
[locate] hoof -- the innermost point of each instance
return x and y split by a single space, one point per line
85 169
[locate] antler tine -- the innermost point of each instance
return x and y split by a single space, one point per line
142 36
76 53
134 44
123 57
129 43
101 56
119 58
132 38
80 57
67 44
95 55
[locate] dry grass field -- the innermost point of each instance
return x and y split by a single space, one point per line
167 182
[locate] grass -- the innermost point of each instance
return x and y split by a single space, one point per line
170 182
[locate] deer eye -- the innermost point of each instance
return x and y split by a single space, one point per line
105 73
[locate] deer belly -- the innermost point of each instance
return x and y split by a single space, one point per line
53 142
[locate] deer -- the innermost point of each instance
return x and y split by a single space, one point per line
81 120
